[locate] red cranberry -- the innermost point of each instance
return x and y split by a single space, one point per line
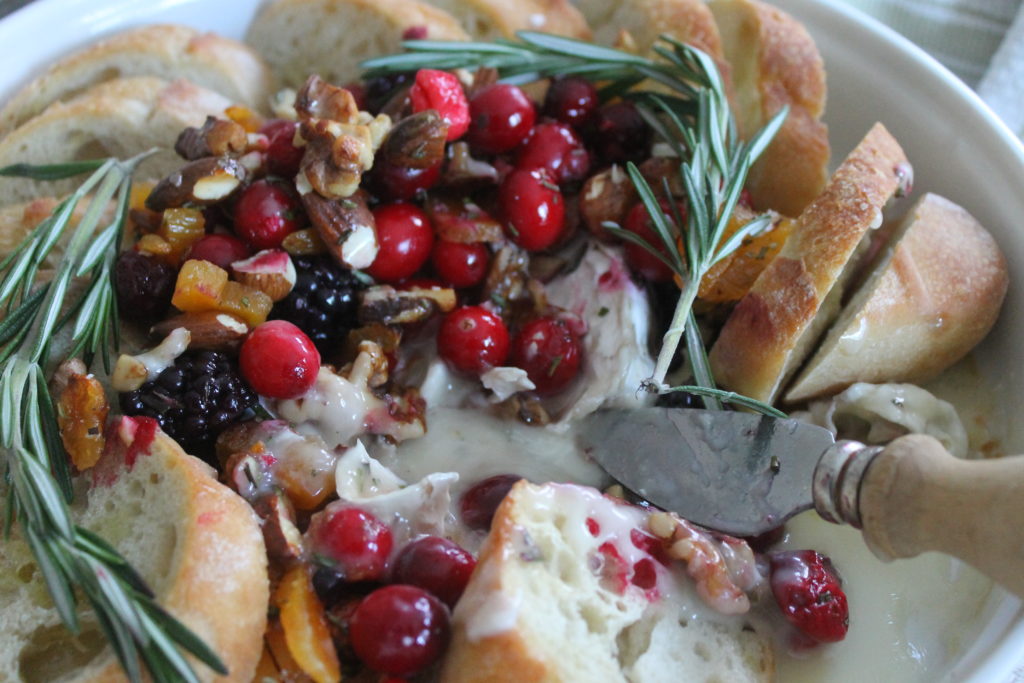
473 340
533 207
571 100
549 352
401 183
649 266
479 503
436 565
617 133
278 360
265 214
555 148
352 542
358 92
405 238
809 592
144 286
220 250
460 265
501 117
441 91
399 630
283 157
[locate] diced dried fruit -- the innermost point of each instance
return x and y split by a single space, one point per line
245 117
82 414
251 305
305 627
199 287
181 228
157 246
732 277
305 242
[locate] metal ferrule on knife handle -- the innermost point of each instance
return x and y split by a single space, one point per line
837 479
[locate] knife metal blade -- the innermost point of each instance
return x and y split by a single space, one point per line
739 473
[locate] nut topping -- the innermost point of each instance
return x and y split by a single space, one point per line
390 306
271 271
416 141
204 182
318 99
210 330
216 137
606 197
345 226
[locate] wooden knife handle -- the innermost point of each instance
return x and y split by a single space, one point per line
913 496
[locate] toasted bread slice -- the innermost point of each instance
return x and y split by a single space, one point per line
794 300
121 118
934 295
166 51
491 19
331 37
195 542
551 600
774 63
689 21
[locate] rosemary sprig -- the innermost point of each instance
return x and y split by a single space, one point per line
690 112
72 560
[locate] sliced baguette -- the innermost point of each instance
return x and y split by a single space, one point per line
491 19
775 63
689 21
793 301
121 118
934 295
541 605
331 37
196 543
166 51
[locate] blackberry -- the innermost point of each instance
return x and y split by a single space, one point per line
194 400
323 301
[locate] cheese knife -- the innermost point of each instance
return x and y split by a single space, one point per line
744 474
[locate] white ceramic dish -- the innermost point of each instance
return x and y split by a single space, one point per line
958 148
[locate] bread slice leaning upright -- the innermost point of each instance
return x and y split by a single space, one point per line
196 543
165 51
796 297
492 19
934 294
689 21
774 63
331 37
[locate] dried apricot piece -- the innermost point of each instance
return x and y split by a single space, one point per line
305 626
82 410
247 303
199 286
182 227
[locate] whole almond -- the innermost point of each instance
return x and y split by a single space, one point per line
210 330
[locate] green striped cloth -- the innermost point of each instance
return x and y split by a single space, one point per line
981 41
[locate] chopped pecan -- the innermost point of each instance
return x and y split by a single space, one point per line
203 182
385 336
82 410
606 197
526 409
407 413
345 226
484 77
210 330
465 171
318 99
280 532
370 366
508 277
215 138
387 305
416 141
334 160
658 169
461 220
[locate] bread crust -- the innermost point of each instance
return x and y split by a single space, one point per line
163 50
775 63
928 305
296 48
687 20
491 19
769 332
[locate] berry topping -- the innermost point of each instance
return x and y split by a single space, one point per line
405 238
265 214
555 148
382 88
617 133
809 591
436 565
404 182
323 301
194 400
279 360
144 286
643 262
220 250
549 352
460 265
473 340
441 91
479 503
283 157
399 630
571 100
351 542
501 117
533 207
